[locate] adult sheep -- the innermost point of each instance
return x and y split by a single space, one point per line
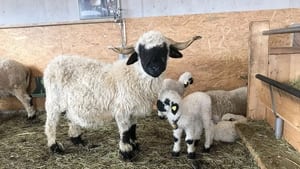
14 80
92 92
233 101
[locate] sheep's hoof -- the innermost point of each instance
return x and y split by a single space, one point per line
191 155
57 148
77 140
31 117
127 155
162 117
206 150
175 154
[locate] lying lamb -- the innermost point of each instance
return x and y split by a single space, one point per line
179 86
14 80
92 92
234 102
191 114
225 130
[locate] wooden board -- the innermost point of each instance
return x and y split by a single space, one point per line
258 63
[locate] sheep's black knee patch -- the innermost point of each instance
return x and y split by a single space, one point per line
126 137
132 132
189 142
30 101
77 140
175 139
56 148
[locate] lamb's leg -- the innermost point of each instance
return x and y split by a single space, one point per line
209 134
75 134
50 129
191 140
132 133
125 130
177 136
26 101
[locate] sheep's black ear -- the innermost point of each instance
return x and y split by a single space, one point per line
132 59
174 52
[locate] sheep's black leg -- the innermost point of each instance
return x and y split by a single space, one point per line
132 133
191 149
126 149
177 137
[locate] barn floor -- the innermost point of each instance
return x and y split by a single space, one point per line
23 145
269 152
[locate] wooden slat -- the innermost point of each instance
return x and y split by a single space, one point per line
258 63
282 30
284 50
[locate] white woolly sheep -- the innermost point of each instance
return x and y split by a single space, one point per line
92 92
14 80
179 86
233 101
191 114
225 130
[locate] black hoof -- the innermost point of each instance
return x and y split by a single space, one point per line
57 148
31 117
77 140
175 154
162 117
127 155
191 155
206 150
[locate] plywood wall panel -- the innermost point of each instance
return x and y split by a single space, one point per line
217 61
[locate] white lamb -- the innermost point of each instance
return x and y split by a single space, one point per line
179 86
233 101
191 114
225 130
92 92
14 80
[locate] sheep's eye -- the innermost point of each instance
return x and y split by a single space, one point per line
191 80
167 102
174 108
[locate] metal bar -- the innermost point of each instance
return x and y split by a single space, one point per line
289 89
278 121
282 30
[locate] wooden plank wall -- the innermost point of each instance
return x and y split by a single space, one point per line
218 61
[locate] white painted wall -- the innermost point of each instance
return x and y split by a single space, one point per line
16 12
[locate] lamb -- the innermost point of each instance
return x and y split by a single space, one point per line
179 86
92 92
233 101
191 114
225 130
15 80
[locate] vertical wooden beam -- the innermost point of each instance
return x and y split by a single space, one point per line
258 63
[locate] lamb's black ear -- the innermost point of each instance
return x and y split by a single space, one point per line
174 52
132 59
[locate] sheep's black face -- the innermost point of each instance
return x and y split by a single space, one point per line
154 60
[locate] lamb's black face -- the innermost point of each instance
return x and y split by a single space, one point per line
154 60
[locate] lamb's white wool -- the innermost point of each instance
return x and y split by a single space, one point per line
179 86
14 80
233 101
225 130
191 114
92 92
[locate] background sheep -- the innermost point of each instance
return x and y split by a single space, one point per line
225 130
234 102
191 114
179 86
92 92
14 80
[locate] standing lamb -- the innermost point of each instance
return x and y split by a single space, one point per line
179 86
14 80
191 114
92 92
233 101
225 130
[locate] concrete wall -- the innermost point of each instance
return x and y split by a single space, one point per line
27 12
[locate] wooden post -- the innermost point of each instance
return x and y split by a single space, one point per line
258 63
